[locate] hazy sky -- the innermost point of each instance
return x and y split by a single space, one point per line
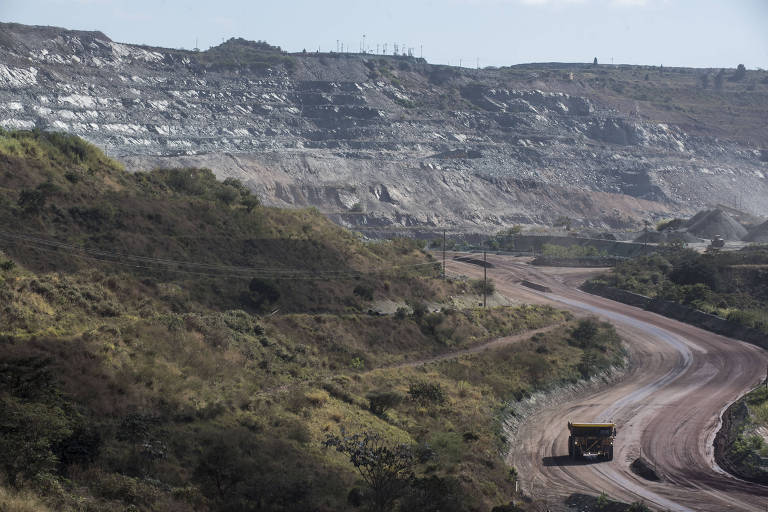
698 33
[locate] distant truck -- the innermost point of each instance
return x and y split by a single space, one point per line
717 242
591 439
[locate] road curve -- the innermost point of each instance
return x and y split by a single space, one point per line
667 407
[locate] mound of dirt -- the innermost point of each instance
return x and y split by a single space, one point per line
710 223
656 237
759 234
643 469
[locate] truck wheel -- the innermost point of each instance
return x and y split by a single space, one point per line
609 455
570 447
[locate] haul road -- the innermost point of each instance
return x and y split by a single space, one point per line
667 406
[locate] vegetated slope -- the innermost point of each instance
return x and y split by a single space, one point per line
66 206
137 370
394 142
741 445
732 284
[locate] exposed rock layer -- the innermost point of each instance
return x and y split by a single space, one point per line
378 142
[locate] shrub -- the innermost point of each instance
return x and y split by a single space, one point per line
379 402
261 293
33 201
364 291
419 309
479 286
585 333
425 393
316 397
28 432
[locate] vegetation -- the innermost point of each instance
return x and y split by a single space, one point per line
573 251
746 448
731 284
166 343
240 54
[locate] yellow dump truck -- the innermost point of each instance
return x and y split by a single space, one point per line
591 439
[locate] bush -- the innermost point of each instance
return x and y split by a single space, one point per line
479 285
261 293
419 309
585 333
425 393
28 433
379 402
364 291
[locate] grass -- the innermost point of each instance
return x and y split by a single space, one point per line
11 501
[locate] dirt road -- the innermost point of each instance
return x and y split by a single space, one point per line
667 407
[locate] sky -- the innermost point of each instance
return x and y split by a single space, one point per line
692 33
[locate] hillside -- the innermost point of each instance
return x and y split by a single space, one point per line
167 343
385 143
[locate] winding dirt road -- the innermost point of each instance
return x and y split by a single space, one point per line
667 407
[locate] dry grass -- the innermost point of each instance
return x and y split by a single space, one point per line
11 501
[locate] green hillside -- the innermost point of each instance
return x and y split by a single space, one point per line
166 343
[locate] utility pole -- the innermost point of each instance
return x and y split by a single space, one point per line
444 266
485 277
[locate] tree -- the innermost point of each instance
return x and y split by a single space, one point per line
28 432
386 469
594 62
224 463
563 221
585 333
261 292
740 73
32 421
719 80
33 201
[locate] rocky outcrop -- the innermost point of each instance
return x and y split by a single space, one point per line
374 142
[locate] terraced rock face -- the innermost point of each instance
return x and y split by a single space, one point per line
383 143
